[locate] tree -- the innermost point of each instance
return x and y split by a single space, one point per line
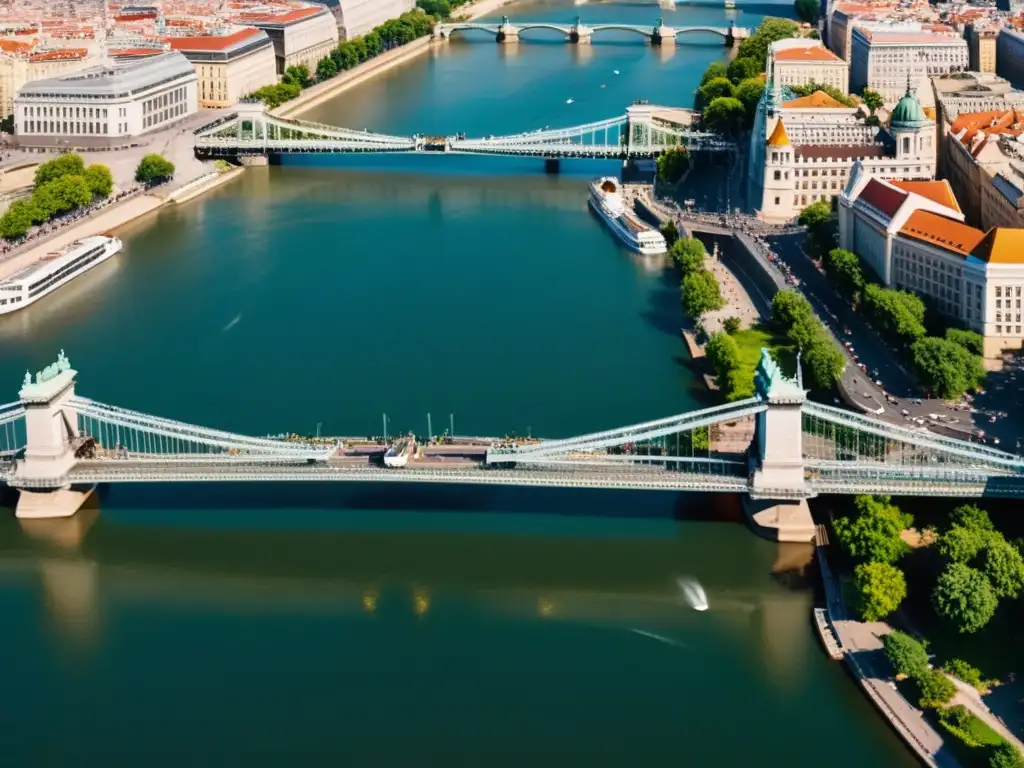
880 589
153 167
715 69
744 69
935 689
439 9
874 533
690 253
716 88
771 29
731 325
960 544
701 294
65 165
946 369
673 164
843 267
815 216
961 670
823 362
899 315
725 115
99 179
723 353
1002 564
749 94
872 99
670 233
788 307
326 68
18 219
969 340
964 596
971 516
907 655
807 10
70 192
297 75
1005 755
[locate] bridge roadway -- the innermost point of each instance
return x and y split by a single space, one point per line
658 34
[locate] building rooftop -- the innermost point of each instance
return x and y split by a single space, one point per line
779 137
215 42
812 54
883 197
968 125
907 37
1001 245
942 232
59 54
284 17
118 79
817 100
937 191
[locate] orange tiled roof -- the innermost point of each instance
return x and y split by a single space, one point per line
779 137
60 54
1002 245
286 17
1008 121
937 191
16 46
942 232
818 99
811 54
211 42
126 52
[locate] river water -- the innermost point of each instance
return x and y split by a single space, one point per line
408 626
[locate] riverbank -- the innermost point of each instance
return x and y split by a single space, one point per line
321 92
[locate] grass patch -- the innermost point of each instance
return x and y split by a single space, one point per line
752 340
971 740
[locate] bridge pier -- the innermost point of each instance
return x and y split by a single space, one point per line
784 521
507 32
552 165
663 36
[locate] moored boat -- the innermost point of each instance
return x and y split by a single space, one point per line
607 202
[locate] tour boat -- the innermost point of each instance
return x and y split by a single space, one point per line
54 270
607 202
398 454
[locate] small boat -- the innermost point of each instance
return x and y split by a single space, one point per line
694 594
603 85
615 71
569 101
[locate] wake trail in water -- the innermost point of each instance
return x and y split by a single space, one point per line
232 324
659 638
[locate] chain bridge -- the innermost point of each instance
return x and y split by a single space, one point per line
645 130
507 31
54 443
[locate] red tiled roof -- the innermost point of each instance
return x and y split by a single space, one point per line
948 234
132 52
883 197
142 15
280 18
15 46
60 54
811 54
211 42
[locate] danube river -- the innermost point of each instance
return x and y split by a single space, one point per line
406 626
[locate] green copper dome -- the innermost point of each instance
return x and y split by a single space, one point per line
908 112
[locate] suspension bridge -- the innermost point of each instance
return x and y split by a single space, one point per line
54 441
644 130
507 31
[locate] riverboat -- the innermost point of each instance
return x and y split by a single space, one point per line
54 270
398 454
607 202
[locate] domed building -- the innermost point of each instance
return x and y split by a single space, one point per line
808 159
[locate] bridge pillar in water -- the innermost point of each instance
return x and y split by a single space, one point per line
664 36
507 32
552 165
50 425
778 508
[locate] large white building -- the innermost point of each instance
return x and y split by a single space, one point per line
300 35
801 150
800 61
913 237
22 61
357 17
105 106
230 65
887 60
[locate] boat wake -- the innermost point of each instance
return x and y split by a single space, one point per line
659 638
232 324
693 593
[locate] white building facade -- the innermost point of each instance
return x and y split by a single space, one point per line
887 60
299 36
18 67
802 150
229 66
357 17
799 61
105 106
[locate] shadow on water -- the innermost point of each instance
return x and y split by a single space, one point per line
663 309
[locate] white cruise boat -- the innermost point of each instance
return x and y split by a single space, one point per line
609 205
54 270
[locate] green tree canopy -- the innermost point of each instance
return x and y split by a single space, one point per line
971 516
65 165
297 75
723 353
946 368
744 69
725 115
1005 755
935 689
873 534
1002 564
17 220
907 655
673 164
670 233
732 325
99 179
807 10
700 294
880 589
960 544
964 596
715 69
843 267
872 99
690 253
822 362
898 315
756 46
789 307
815 215
153 167
326 68
969 340
716 88
748 92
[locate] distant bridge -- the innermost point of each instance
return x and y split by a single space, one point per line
52 441
659 34
644 131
